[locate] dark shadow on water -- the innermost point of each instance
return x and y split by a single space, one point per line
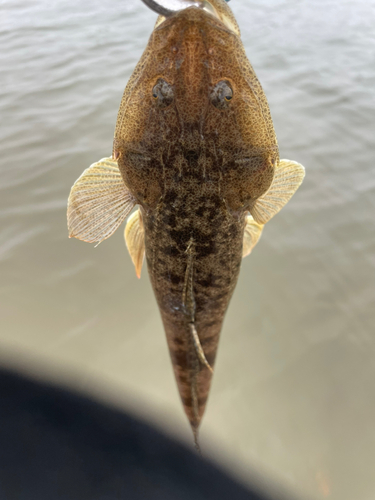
56 444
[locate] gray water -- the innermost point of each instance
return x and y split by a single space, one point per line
293 398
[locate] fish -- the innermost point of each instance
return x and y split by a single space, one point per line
195 152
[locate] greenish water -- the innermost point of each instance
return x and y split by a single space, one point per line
293 396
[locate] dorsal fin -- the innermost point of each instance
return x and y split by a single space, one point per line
288 177
99 202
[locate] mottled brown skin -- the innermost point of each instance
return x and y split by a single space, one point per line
195 170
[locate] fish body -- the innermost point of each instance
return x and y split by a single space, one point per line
196 150
193 252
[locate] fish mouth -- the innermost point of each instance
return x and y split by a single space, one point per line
167 8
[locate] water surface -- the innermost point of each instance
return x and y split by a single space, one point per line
293 396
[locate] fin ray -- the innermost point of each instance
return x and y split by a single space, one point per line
198 347
98 203
288 177
135 240
253 232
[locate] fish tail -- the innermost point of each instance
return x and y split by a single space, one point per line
196 441
197 355
193 376
195 406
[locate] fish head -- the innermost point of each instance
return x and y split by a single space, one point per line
195 93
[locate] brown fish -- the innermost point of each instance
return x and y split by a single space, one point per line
196 150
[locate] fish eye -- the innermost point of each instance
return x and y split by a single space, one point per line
162 93
221 94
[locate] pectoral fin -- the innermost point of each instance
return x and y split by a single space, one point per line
251 236
98 203
135 240
288 177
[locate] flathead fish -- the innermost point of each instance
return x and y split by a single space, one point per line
195 149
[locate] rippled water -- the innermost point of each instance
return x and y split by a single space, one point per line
293 396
